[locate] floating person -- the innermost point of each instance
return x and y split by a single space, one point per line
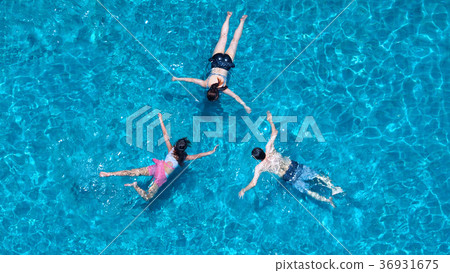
300 176
221 63
161 169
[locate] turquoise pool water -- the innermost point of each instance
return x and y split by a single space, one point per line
376 82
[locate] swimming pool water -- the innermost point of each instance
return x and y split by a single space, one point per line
376 82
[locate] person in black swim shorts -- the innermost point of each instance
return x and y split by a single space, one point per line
221 63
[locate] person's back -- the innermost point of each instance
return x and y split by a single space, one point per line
275 163
221 62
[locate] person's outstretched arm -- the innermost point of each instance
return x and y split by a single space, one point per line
238 99
200 155
202 83
252 183
273 136
166 135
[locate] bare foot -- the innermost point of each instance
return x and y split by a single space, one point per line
331 202
336 190
243 18
103 174
229 13
134 184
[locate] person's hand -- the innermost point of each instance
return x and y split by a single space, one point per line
269 116
214 150
103 174
241 194
248 109
160 116
134 184
174 79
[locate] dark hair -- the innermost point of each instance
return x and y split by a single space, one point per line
213 92
258 153
179 150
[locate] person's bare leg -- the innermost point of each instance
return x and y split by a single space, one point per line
220 46
321 198
146 195
133 172
231 51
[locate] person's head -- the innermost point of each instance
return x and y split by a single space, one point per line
259 154
180 149
213 92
